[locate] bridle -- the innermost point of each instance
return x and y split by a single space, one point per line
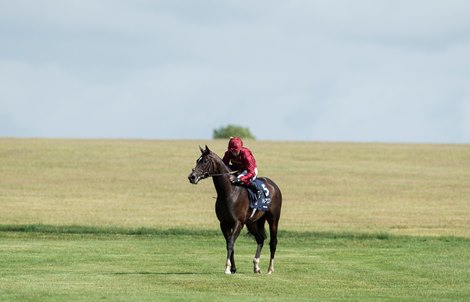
207 174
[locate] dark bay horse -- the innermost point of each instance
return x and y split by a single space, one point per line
232 208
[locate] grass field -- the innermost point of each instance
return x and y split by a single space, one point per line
186 266
117 220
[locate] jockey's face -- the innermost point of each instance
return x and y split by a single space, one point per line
235 152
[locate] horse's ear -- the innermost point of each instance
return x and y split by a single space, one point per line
202 151
207 149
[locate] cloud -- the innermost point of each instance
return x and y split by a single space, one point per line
300 70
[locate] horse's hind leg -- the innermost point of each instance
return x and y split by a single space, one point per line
257 230
272 243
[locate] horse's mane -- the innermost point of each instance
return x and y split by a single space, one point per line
217 158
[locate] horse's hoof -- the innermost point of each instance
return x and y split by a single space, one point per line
270 272
228 272
257 271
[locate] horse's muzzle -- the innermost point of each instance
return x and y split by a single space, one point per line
193 178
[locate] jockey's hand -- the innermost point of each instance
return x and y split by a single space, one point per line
234 179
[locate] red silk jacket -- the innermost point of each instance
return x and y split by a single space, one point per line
244 161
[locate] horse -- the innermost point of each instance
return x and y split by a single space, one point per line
232 208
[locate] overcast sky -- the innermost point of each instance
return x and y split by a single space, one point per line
329 70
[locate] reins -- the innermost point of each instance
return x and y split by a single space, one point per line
223 174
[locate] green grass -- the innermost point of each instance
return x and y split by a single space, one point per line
89 265
87 220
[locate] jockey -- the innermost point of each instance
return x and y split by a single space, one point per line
239 158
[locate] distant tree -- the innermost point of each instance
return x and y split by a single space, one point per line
232 130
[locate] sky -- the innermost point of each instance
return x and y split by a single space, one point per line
300 70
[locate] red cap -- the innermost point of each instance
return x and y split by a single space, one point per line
235 144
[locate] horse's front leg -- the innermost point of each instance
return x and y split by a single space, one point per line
227 231
230 267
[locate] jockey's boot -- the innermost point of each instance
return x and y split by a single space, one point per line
255 189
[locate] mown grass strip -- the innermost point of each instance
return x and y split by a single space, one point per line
285 234
94 230
74 267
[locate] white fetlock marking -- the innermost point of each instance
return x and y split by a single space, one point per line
228 267
271 267
256 268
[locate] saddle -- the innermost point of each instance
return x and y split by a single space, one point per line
264 201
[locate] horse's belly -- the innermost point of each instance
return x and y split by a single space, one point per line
229 215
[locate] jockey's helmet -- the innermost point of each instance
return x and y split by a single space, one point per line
235 144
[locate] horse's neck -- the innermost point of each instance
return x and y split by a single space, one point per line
222 184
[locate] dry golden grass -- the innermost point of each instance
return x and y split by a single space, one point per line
401 189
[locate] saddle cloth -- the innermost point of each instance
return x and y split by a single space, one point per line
263 203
